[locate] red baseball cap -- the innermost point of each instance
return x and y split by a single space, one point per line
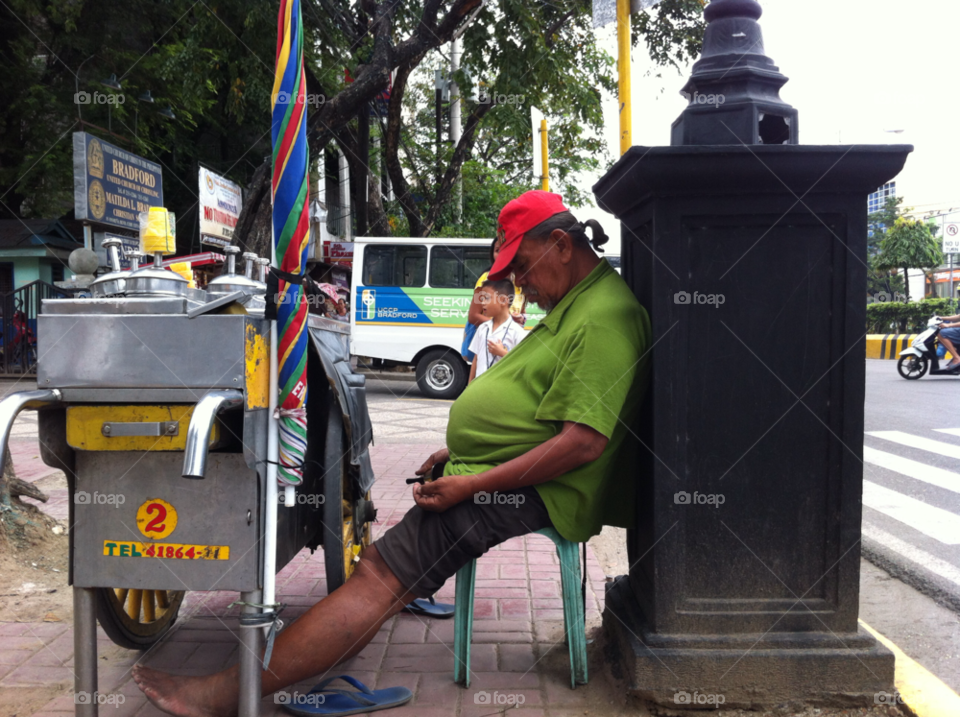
519 216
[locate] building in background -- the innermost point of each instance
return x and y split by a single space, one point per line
877 200
936 283
33 250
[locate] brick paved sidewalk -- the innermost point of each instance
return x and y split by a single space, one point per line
518 644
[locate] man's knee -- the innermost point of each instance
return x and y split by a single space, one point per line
373 566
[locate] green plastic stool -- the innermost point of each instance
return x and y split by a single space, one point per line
573 617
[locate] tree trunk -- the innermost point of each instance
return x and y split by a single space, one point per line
13 487
379 227
6 481
906 284
401 190
255 223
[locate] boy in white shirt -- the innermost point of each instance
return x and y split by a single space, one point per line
494 338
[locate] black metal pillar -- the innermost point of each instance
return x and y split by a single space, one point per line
750 256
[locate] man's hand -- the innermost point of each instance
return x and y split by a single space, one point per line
497 348
441 456
442 493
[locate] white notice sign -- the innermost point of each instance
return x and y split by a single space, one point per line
951 238
220 203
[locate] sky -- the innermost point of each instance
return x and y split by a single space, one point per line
856 70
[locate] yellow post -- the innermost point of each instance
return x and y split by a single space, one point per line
544 161
623 68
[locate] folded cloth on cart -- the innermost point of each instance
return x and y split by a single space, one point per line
324 700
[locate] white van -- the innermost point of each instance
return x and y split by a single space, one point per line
410 303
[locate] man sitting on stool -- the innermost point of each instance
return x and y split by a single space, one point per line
552 423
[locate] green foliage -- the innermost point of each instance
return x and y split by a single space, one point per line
880 221
909 244
882 280
485 191
213 65
534 54
898 317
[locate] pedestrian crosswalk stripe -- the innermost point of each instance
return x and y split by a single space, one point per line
948 431
924 444
913 469
938 523
939 567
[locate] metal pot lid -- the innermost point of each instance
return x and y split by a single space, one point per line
228 283
109 284
149 280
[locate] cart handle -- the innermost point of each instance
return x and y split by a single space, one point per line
201 423
11 406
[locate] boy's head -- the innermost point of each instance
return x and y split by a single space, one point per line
496 297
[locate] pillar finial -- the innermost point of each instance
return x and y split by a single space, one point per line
733 93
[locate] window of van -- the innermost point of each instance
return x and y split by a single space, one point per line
394 265
457 267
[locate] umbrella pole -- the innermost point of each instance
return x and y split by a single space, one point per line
270 521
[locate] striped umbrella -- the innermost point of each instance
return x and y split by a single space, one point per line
291 231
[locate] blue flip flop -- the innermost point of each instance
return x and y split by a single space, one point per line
329 701
430 608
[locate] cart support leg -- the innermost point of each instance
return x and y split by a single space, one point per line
85 651
251 666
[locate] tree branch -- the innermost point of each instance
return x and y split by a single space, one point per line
391 148
555 28
460 155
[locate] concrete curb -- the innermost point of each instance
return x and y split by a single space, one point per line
912 566
388 375
888 346
920 691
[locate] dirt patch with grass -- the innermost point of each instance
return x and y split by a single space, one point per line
34 561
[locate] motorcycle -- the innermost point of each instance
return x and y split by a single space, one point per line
922 355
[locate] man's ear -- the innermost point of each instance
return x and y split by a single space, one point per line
564 244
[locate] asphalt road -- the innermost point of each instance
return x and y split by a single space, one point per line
911 514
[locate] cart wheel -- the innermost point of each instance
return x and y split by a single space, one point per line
346 515
136 619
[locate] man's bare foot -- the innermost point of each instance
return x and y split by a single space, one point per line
185 696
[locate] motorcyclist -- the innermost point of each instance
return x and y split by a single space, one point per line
950 337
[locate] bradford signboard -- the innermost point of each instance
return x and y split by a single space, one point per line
112 186
220 204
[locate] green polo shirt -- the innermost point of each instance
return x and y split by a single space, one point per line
585 362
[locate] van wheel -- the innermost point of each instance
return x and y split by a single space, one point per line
441 374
